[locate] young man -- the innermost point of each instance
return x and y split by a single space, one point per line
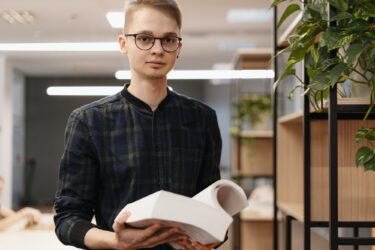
146 138
9 217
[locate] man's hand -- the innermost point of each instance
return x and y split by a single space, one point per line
198 246
128 238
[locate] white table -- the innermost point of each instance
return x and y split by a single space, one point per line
42 237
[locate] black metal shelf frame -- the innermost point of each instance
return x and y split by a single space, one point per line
333 115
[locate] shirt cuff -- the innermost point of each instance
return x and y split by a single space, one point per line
78 232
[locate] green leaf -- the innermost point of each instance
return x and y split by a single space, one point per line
363 155
370 164
353 53
277 2
335 38
365 133
339 4
321 81
370 136
361 133
288 11
329 63
336 73
298 54
314 53
356 26
287 72
293 39
341 16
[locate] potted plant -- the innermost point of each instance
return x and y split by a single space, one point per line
335 54
251 111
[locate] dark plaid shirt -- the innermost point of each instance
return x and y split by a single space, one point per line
117 150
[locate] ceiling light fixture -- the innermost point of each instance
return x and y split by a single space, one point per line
60 47
207 74
83 90
116 19
249 15
20 17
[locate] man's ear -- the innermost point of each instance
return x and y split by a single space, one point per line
179 50
122 43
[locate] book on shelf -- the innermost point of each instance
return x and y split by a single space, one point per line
205 217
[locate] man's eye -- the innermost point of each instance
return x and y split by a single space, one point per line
145 39
169 40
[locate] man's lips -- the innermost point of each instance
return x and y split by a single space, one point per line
156 62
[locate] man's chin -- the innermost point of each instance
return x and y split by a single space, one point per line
156 76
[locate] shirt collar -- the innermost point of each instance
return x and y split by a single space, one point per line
141 104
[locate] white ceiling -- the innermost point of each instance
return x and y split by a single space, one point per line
205 32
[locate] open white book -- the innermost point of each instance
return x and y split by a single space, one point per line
205 217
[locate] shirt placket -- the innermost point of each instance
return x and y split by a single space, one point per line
158 150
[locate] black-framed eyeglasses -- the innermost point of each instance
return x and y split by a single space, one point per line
146 41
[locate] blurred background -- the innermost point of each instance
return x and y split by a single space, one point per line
33 122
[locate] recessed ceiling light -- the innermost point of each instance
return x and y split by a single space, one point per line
20 17
249 15
116 19
233 46
60 47
83 90
208 74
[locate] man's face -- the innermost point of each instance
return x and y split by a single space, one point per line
153 63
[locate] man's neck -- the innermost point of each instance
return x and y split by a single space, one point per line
150 92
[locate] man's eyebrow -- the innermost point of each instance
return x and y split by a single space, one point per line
151 33
170 34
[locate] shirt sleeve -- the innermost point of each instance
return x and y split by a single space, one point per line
76 192
210 170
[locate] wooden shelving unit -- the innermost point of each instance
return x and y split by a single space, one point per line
258 58
251 159
317 181
255 154
357 188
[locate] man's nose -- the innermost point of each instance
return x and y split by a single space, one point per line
157 48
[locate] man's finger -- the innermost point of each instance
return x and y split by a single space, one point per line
117 226
123 217
165 237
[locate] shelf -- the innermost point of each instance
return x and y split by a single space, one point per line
252 58
353 101
346 105
293 209
256 134
295 117
252 216
282 41
255 156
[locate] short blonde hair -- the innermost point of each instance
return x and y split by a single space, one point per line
168 7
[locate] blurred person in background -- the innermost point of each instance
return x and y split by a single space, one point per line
9 217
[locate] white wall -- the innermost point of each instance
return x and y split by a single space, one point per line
6 128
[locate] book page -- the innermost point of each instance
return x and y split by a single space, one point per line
225 195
